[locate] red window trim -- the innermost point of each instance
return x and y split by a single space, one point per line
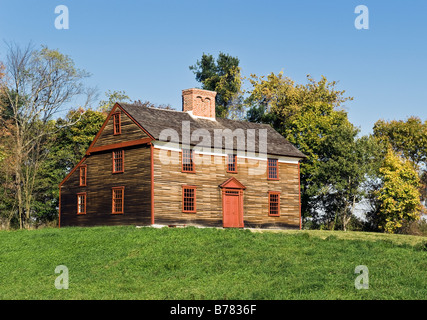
268 169
278 203
117 123
78 205
83 166
235 163
123 161
113 199
192 161
183 199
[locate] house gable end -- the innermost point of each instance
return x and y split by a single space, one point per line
135 134
130 130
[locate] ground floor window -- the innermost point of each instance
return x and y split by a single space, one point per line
274 203
118 200
189 199
81 203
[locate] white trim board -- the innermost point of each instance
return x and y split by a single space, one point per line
173 146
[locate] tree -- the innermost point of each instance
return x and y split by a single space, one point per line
66 147
149 104
38 84
1 70
310 117
223 76
275 98
344 169
399 195
113 97
6 181
406 137
71 142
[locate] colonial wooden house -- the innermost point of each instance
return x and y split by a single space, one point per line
154 166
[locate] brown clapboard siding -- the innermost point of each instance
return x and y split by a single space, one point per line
129 131
100 181
168 182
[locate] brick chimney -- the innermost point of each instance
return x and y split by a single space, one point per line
201 103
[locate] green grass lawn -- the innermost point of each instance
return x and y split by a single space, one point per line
192 263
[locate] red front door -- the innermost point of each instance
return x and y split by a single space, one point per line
232 209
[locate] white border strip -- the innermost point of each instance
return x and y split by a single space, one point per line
173 146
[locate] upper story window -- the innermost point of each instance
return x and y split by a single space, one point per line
189 199
118 161
81 203
272 169
118 200
82 177
117 127
187 160
273 203
232 163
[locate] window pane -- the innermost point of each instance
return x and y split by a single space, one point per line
272 169
116 119
82 176
274 203
117 200
118 161
187 160
188 199
231 162
81 203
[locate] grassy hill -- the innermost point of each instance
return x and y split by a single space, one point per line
192 263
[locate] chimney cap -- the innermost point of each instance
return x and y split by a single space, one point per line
200 91
199 102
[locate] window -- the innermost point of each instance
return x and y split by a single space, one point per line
189 199
231 163
118 200
82 179
273 170
187 160
81 203
274 203
118 161
117 128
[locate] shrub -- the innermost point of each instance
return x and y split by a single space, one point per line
415 228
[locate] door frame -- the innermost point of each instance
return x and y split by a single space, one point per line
233 185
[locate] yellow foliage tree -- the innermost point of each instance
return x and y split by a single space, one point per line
399 196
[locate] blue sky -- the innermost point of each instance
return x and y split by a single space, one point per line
145 47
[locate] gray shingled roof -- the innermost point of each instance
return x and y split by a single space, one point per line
156 120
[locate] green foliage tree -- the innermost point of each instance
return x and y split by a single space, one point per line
65 149
344 170
71 142
406 137
112 98
399 197
310 117
223 76
275 98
